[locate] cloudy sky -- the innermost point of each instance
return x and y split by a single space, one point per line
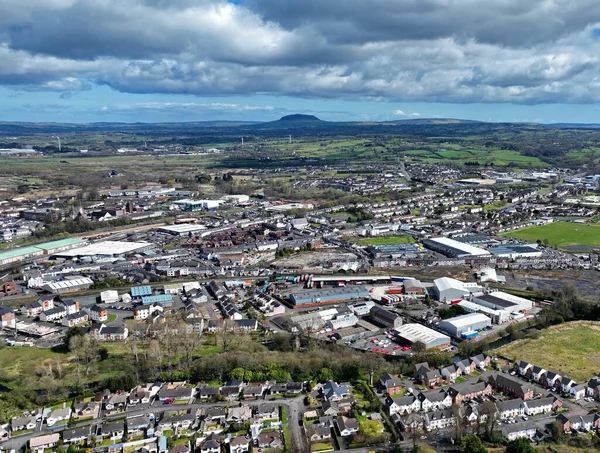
196 60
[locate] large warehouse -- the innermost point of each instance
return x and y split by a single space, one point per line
514 251
506 303
105 249
452 248
465 324
417 333
448 289
327 296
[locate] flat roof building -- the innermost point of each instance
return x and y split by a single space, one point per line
466 323
106 249
327 296
448 289
452 248
514 251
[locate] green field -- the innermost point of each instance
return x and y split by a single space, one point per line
561 234
385 240
572 349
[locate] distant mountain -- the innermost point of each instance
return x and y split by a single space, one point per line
296 121
299 117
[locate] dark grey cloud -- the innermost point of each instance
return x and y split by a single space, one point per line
520 51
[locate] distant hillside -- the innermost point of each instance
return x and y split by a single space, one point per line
299 117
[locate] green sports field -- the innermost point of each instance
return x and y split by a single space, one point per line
566 235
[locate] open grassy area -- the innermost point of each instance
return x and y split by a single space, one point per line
561 234
571 348
385 240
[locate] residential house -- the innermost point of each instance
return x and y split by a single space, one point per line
108 333
510 408
176 392
516 430
74 319
267 412
116 402
181 448
392 384
239 444
112 430
138 425
278 389
23 423
590 422
346 426
215 414
409 422
53 314
593 387
577 391
470 413
439 419
553 380
467 366
451 372
270 439
139 395
542 405
403 404
239 414
97 313
511 386
345 405
426 375
177 422
59 417
330 408
71 306
41 443
317 432
481 361
253 391
566 383
35 308
524 368
468 391
294 388
76 436
86 409
434 400
335 392
211 444
538 374
206 393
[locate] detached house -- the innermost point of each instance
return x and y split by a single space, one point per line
538 374
175 392
566 384
553 380
577 391
426 375
346 426
239 444
481 361
524 368
392 384
269 440
335 392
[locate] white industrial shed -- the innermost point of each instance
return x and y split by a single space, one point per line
453 248
502 301
448 289
465 323
417 333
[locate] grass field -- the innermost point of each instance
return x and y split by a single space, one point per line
386 240
561 234
572 349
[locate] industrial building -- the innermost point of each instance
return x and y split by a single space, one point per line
448 289
418 333
137 292
465 324
182 229
32 252
69 285
105 249
497 316
514 251
453 249
197 205
166 300
342 321
314 320
385 317
327 296
362 308
503 302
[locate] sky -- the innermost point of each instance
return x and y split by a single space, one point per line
341 60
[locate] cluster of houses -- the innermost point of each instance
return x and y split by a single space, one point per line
552 380
56 309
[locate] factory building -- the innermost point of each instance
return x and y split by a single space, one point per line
497 316
501 301
327 296
448 289
514 251
362 308
67 286
466 324
417 333
342 321
166 300
183 229
385 317
453 249
22 254
105 249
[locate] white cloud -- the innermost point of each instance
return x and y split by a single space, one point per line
402 113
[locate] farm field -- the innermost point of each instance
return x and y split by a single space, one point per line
567 235
570 348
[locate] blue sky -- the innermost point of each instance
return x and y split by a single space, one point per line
356 60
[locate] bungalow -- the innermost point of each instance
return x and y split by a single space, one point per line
330 408
113 430
435 400
59 416
538 374
294 388
138 425
317 432
524 368
239 414
577 391
176 392
116 402
253 391
211 444
74 319
346 426
177 422
215 414
267 412
553 380
335 392
41 443
542 405
403 405
54 314
345 405
231 392
518 430
566 383
439 419
481 361
467 391
205 392
278 389
392 384
139 395
239 444
76 436
510 408
269 440
451 372
21 423
511 386
86 409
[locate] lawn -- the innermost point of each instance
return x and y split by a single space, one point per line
561 234
571 348
387 240
321 447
